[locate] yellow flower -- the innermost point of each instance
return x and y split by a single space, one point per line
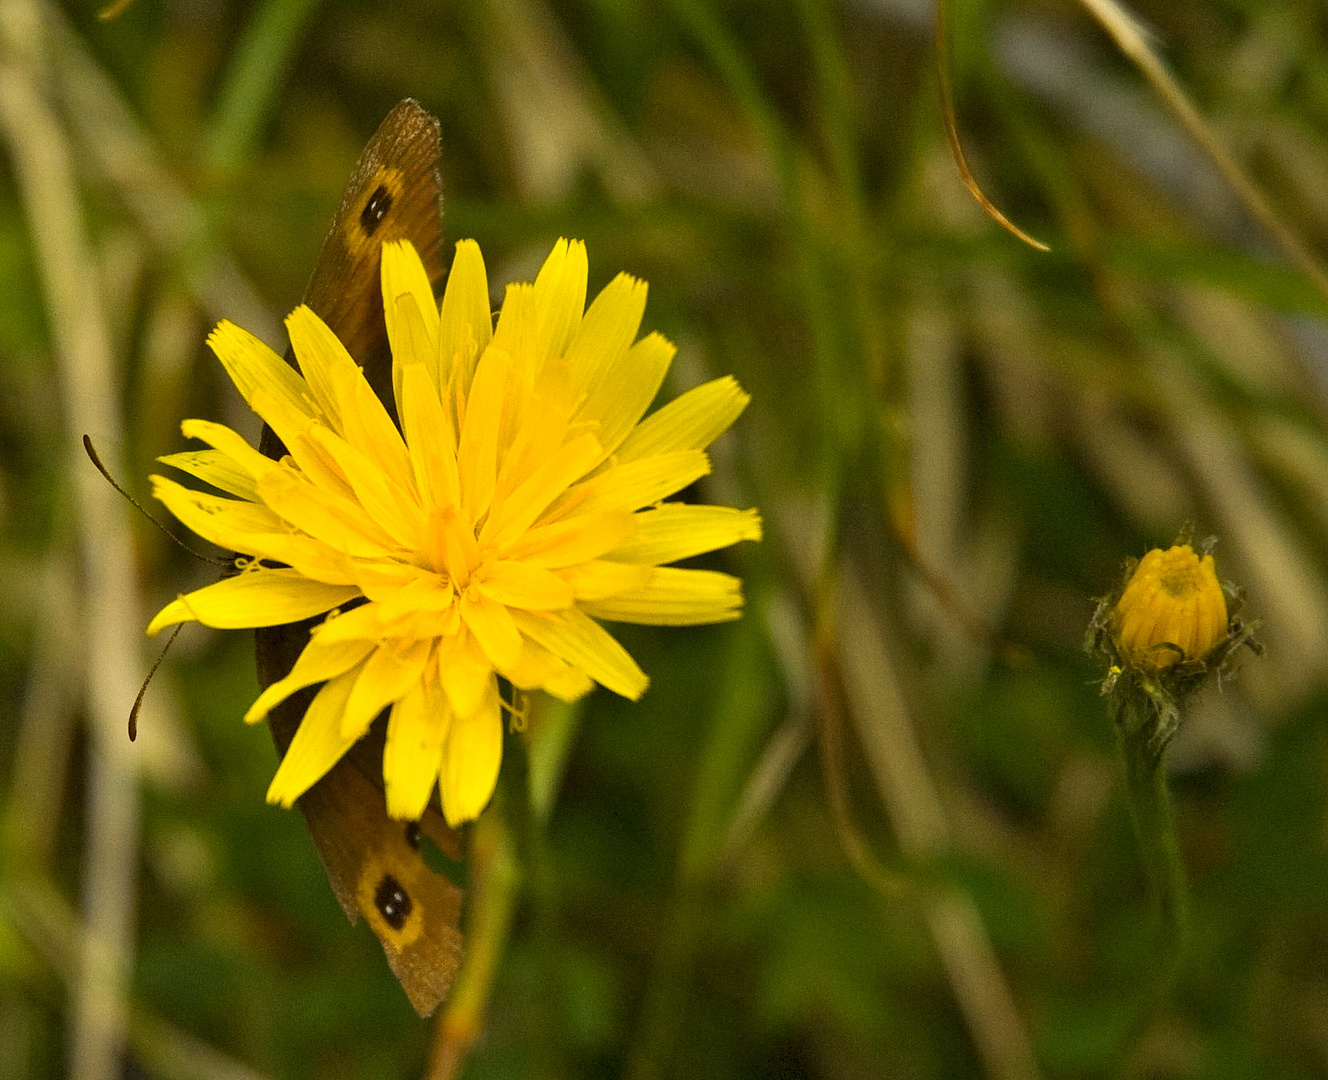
1172 610
519 501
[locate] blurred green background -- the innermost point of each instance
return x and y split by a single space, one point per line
876 828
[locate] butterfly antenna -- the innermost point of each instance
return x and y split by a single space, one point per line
142 690
96 460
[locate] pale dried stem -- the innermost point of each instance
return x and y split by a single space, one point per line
1131 40
786 746
115 146
556 119
877 706
1278 571
45 728
44 170
766 780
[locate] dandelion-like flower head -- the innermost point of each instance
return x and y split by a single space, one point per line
519 501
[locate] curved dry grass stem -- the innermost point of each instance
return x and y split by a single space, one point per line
831 731
1133 42
44 170
952 132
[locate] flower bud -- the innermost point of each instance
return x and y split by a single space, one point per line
1172 610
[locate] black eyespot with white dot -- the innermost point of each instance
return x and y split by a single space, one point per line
380 202
393 902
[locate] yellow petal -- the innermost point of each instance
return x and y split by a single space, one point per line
532 497
259 597
413 348
228 523
560 298
231 443
253 530
535 429
318 744
539 669
516 321
320 353
647 480
449 545
571 683
598 579
678 531
308 457
215 468
689 422
674 597
312 558
391 670
463 672
417 590
289 425
336 521
538 323
432 443
362 623
317 663
253 366
368 427
585 644
396 511
564 543
477 447
367 621
606 332
620 397
403 275
466 324
522 585
413 755
492 625
382 578
471 756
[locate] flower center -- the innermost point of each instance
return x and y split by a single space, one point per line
450 546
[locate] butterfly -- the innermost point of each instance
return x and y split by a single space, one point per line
375 865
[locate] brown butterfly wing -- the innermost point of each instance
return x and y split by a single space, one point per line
373 862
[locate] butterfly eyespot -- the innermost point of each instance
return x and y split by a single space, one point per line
380 202
392 902
413 834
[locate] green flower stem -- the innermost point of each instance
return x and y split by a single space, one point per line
1155 827
495 885
1138 721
